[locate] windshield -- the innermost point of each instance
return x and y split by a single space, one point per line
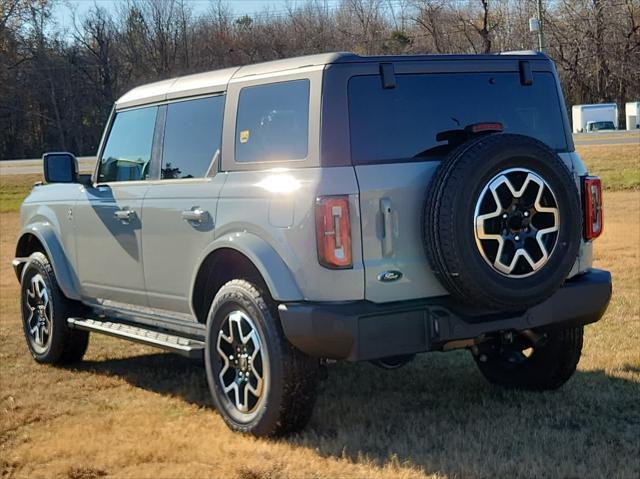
401 123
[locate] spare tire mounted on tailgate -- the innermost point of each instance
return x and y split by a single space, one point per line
502 222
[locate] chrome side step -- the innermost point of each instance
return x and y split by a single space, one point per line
191 348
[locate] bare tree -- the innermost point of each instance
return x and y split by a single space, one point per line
56 90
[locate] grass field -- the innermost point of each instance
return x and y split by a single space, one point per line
130 411
13 189
617 165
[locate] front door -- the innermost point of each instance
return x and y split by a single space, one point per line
179 210
108 215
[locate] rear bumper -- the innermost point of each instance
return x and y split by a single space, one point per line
362 330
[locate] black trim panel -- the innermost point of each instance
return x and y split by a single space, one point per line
362 330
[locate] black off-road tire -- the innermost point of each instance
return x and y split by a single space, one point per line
64 345
549 366
292 376
448 224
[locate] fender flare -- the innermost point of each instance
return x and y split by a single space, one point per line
264 257
65 274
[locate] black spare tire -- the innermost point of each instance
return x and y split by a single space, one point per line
502 222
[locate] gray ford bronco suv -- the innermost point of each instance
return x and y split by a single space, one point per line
271 217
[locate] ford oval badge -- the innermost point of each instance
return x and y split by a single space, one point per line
389 276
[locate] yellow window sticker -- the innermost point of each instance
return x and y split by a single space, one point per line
244 136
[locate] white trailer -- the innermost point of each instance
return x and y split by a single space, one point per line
632 115
581 115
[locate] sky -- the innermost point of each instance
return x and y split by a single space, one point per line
64 9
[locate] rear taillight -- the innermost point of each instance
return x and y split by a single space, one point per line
333 231
592 207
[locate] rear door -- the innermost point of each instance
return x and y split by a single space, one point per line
393 128
180 208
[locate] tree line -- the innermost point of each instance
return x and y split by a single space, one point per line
57 86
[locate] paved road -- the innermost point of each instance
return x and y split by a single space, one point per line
27 167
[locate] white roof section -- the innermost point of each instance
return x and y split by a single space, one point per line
190 85
148 93
215 81
201 83
290 64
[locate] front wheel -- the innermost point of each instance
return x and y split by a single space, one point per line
260 383
542 365
45 310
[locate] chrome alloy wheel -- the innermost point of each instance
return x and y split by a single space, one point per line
516 222
39 310
244 369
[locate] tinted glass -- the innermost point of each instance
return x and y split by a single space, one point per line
192 137
402 123
273 122
127 154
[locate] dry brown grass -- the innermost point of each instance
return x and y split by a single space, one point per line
618 165
129 411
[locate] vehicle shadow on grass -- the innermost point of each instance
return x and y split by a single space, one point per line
163 373
439 415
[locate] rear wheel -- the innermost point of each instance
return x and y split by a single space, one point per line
45 310
260 383
545 364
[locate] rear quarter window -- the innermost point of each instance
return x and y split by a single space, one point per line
402 123
273 122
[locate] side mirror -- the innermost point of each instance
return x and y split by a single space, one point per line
60 167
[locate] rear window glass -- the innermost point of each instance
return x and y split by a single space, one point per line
402 123
192 137
273 122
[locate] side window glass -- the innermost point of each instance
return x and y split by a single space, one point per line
127 154
192 137
273 122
